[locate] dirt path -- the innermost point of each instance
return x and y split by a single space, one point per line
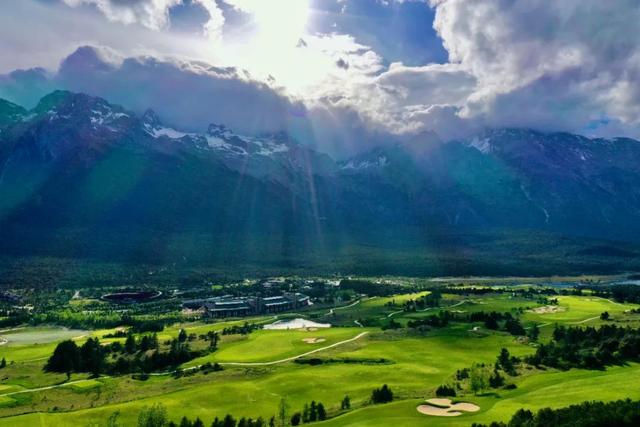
33 390
330 312
289 359
542 325
611 301
429 308
585 320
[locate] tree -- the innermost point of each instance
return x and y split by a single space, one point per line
283 411
182 335
3 363
496 380
506 362
382 395
130 344
491 323
296 419
153 416
213 338
112 421
322 413
478 380
92 357
534 332
65 358
184 422
604 315
445 391
228 421
346 403
514 327
305 413
313 411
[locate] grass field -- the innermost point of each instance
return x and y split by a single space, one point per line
414 365
269 345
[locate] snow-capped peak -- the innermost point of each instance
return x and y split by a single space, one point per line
154 127
221 137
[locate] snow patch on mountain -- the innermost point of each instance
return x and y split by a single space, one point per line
168 132
104 116
379 162
483 145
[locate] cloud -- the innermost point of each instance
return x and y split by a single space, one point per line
56 30
399 100
153 14
434 84
26 87
550 65
187 94
570 65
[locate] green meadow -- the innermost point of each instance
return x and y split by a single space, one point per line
259 369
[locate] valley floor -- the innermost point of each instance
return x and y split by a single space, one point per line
260 368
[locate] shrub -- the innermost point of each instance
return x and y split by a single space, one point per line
445 391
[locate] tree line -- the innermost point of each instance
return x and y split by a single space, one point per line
620 413
245 329
620 293
590 348
374 289
492 320
135 355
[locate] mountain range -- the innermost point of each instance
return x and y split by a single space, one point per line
83 178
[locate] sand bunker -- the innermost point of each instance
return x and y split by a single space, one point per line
313 340
547 309
444 408
297 324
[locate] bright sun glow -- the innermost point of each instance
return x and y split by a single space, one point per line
275 48
281 21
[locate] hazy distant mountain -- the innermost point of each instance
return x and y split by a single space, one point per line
80 177
512 178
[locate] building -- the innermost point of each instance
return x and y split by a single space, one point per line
230 306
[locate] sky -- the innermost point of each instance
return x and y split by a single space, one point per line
341 75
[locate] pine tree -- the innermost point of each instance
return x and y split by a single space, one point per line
228 421
130 344
296 419
534 332
322 413
346 403
283 411
313 414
